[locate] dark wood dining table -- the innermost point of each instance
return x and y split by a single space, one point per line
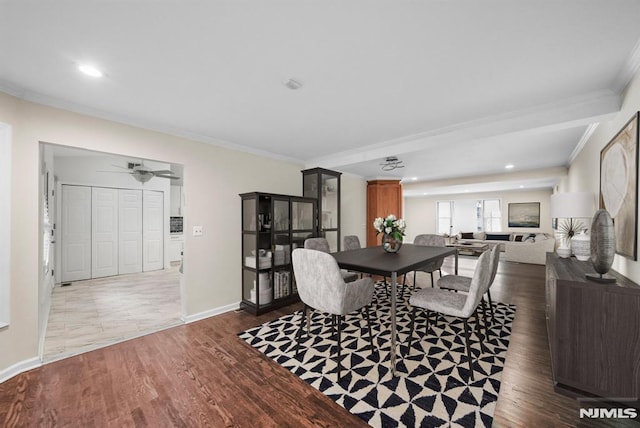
375 261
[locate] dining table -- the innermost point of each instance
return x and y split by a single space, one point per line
376 261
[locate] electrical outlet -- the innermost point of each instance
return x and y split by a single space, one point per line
197 230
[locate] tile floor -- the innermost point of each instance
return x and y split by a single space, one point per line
91 314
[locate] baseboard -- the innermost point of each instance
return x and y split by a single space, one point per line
20 367
210 313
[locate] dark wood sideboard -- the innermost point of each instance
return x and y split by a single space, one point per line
594 332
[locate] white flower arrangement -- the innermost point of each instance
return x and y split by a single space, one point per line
390 225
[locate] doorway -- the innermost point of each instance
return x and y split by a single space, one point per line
115 301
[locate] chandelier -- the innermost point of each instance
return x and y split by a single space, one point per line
391 163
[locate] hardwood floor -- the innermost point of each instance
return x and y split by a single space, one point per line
201 374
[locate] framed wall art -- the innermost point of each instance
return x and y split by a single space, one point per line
524 214
619 187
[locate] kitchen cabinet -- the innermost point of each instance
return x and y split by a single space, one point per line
176 245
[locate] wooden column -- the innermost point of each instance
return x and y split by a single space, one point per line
384 197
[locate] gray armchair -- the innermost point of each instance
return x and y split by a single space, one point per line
321 244
351 242
463 283
459 305
430 240
321 287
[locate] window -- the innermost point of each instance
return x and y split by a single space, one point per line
492 215
469 215
445 217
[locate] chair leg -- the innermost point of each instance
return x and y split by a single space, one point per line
490 306
366 312
299 335
413 324
466 339
414 281
479 330
484 318
431 273
339 345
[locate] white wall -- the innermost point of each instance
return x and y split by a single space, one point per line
353 201
584 171
421 212
5 223
214 177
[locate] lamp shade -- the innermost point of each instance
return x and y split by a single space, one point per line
572 205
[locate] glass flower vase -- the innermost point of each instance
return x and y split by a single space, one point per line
391 244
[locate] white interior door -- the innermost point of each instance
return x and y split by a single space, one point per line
76 233
104 232
152 230
130 233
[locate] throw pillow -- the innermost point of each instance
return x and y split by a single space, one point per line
498 236
479 235
530 239
466 235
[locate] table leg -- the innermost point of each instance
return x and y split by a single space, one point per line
392 351
456 264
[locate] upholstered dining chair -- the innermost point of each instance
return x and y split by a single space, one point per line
463 283
321 287
321 244
460 305
430 240
351 242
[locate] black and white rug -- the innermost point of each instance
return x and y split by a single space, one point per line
431 388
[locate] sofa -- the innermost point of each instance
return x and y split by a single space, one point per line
517 246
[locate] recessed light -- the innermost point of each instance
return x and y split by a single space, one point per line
466 190
509 166
522 186
425 193
90 70
414 178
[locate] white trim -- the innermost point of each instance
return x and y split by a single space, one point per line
210 313
630 68
39 98
20 367
583 140
563 114
45 323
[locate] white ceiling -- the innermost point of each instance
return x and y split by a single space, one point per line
452 87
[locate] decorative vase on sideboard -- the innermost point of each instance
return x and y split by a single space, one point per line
581 246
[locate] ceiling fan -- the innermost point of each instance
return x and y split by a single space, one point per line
143 173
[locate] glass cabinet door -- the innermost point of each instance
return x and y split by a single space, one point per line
329 202
280 215
302 217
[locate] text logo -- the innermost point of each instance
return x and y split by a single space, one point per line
607 413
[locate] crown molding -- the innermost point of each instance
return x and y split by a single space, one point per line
629 69
583 140
38 98
568 113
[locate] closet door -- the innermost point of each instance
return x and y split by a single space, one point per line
76 233
130 231
152 230
104 232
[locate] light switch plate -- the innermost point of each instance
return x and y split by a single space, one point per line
197 230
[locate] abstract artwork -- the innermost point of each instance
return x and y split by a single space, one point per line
525 214
619 186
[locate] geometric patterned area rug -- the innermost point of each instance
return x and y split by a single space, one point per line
431 386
